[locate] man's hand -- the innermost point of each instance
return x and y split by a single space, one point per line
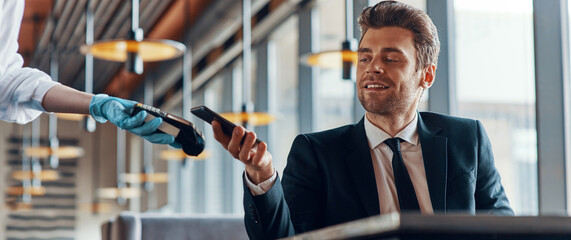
257 159
104 108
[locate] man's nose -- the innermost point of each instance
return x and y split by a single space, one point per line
375 67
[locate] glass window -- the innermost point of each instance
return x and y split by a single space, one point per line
285 39
496 85
568 121
214 188
335 95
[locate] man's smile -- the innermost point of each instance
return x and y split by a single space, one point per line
376 86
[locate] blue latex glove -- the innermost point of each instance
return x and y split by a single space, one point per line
116 110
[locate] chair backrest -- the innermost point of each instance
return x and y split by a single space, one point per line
106 229
152 226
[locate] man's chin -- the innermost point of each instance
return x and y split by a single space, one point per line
377 109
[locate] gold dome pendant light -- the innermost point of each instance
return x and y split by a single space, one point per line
172 154
149 50
97 206
179 155
134 50
54 152
346 58
43 175
252 118
21 193
71 116
247 117
121 193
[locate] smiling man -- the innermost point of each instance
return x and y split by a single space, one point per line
394 160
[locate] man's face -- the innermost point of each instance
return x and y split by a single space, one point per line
387 82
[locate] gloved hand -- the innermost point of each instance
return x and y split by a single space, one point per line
104 107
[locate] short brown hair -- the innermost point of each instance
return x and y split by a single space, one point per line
397 14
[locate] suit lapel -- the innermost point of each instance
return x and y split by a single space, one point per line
360 166
434 153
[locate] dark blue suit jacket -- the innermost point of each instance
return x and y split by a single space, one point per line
329 178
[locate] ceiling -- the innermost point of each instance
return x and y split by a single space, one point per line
211 29
55 29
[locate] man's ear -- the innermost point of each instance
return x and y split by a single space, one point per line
429 74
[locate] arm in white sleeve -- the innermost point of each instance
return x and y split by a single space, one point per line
21 89
261 188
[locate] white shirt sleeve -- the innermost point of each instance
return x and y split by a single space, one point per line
261 188
21 89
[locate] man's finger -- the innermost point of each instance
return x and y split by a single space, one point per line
234 144
219 135
246 151
260 153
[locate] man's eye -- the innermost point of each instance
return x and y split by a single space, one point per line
363 59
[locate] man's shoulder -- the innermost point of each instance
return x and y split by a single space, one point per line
333 135
449 125
442 119
333 142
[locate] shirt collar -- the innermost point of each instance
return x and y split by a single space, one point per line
377 136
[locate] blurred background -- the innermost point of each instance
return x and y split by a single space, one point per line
503 62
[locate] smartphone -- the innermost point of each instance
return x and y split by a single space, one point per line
208 115
185 133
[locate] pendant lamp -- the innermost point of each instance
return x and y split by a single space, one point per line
65 152
179 155
345 58
247 117
96 206
22 190
88 122
122 192
43 175
134 50
71 116
25 196
253 118
18 206
146 177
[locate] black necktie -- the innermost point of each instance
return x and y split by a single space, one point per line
405 190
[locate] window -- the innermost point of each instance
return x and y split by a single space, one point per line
496 85
335 95
285 39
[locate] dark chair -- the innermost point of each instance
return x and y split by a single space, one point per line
154 226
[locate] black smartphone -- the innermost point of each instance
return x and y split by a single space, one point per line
208 115
185 133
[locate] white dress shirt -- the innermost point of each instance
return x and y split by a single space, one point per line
382 157
21 89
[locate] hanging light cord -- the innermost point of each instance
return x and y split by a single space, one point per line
246 55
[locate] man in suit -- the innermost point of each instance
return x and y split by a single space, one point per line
394 160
